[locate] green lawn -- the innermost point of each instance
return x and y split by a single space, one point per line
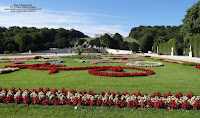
129 39
38 111
171 77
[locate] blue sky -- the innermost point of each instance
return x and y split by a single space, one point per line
96 17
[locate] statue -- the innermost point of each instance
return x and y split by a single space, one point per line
190 53
157 49
85 48
172 51
29 52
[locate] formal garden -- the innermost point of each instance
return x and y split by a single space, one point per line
99 86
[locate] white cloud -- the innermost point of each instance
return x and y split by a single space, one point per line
85 22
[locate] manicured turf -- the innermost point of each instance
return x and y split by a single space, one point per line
38 111
171 77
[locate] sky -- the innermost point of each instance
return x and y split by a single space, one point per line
96 16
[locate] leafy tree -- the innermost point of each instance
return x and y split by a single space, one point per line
62 42
118 37
191 22
81 41
124 45
95 42
146 43
105 40
79 51
22 39
133 46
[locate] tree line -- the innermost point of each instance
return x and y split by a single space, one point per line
115 42
23 39
180 37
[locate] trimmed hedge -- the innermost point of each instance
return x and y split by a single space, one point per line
195 43
165 48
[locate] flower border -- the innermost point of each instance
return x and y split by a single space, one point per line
109 99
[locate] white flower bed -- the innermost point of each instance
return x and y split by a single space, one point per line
89 61
145 64
7 70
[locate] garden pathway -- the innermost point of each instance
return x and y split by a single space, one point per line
180 58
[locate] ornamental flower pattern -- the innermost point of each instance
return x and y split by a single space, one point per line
95 70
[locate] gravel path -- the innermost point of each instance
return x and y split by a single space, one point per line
180 58
41 54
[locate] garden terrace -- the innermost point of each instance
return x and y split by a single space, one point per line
169 78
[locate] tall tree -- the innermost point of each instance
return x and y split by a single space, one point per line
105 40
118 37
191 22
146 43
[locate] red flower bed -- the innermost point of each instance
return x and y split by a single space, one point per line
116 69
122 74
147 56
75 98
95 70
175 62
163 60
198 67
37 57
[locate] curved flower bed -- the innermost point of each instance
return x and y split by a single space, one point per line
198 67
109 99
145 64
8 70
46 66
95 70
116 69
122 74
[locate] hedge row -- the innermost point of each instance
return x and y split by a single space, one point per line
165 48
195 43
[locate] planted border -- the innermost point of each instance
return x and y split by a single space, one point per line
109 99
